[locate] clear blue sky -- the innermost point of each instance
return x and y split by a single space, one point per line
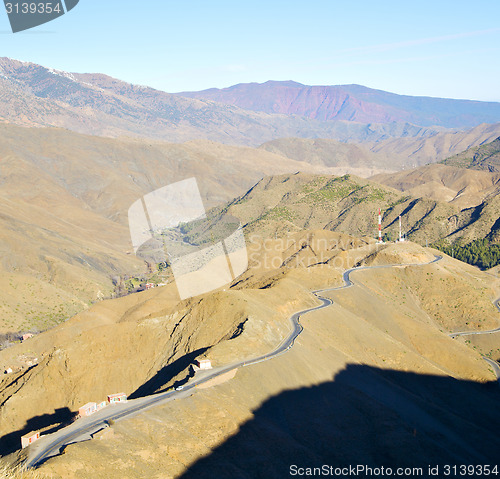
435 48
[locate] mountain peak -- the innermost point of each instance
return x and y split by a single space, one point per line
352 102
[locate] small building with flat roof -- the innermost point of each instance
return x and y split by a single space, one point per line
117 398
204 363
87 410
29 439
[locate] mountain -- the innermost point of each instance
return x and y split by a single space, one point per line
63 214
285 204
462 187
352 103
390 154
380 351
484 157
96 104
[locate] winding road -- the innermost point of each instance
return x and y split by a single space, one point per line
470 333
83 429
493 364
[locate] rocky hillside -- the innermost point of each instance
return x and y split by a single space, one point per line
63 216
484 157
145 342
380 355
463 187
348 204
389 154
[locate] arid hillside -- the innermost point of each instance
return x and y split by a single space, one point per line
459 186
380 355
484 157
388 154
121 344
420 151
348 204
467 178
66 196
64 230
342 157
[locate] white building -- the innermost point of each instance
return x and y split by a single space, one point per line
204 364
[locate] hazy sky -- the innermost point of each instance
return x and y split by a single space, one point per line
435 48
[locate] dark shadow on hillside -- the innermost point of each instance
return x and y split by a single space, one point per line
60 418
365 416
166 374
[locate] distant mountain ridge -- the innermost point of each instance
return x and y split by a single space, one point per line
352 103
97 104
390 154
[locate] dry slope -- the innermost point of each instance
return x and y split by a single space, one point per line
65 197
146 338
372 380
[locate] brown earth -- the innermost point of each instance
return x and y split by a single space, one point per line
121 344
64 232
374 370
462 187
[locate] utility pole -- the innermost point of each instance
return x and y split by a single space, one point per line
379 225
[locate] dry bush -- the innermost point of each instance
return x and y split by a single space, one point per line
19 472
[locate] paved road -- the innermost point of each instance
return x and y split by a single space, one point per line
469 333
51 445
494 364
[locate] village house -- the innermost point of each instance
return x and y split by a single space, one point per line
117 398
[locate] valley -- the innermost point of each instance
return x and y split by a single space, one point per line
328 345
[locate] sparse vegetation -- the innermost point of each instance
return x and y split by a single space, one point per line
478 253
19 472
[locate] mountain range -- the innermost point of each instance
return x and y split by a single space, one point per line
96 104
65 189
